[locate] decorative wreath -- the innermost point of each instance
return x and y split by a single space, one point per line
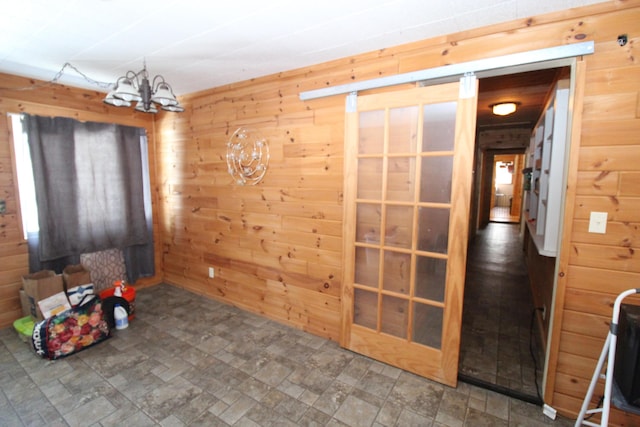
247 156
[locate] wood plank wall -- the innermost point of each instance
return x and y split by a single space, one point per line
275 247
49 100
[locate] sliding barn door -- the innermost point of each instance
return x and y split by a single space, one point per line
408 173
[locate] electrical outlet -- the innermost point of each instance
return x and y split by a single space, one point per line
212 272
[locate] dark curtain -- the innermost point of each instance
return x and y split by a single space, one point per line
92 192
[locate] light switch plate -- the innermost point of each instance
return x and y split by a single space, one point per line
598 222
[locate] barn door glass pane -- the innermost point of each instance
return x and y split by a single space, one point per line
397 272
399 228
433 229
427 325
370 179
371 132
435 179
403 129
368 223
395 314
366 268
430 278
365 308
401 182
439 123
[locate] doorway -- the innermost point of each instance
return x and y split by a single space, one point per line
499 349
506 196
500 345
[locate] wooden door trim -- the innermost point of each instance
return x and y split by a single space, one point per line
349 228
578 79
462 186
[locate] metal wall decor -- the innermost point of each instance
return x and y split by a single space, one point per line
247 156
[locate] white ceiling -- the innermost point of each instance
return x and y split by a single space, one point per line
200 44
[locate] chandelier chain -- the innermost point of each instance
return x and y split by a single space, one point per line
125 91
57 77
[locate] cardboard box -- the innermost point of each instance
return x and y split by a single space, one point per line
24 302
76 275
38 286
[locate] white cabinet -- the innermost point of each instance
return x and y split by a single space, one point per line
546 160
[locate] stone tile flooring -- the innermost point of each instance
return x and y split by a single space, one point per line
188 360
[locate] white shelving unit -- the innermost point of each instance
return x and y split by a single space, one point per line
546 158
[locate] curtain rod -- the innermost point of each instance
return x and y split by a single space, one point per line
458 70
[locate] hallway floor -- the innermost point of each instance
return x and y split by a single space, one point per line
496 324
503 214
188 360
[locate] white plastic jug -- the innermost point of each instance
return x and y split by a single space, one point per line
121 317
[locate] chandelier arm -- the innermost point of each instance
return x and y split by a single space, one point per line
155 85
131 76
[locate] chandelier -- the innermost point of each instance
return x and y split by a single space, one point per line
148 94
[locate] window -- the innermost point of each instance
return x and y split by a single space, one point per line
504 173
83 187
24 172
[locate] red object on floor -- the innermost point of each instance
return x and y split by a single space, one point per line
129 293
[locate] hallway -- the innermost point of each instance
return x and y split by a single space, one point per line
496 326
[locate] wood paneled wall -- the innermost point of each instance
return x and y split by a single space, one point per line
49 100
276 246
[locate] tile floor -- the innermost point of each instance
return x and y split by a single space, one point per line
188 360
496 324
